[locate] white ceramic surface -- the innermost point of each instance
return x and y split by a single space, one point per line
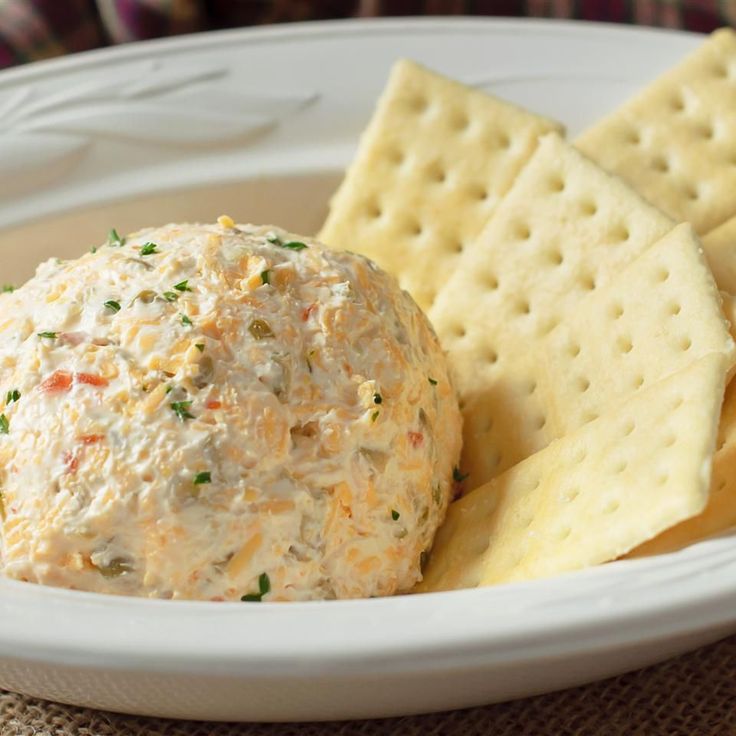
259 124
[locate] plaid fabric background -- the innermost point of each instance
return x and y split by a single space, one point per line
37 29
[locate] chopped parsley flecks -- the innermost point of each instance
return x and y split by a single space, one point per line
7 288
170 296
202 478
457 476
181 409
290 244
12 396
374 416
377 399
4 424
199 346
112 305
266 276
148 249
260 329
182 285
114 240
432 381
264 588
49 335
395 514
185 320
169 389
294 245
93 249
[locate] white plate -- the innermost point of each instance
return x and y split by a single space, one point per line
259 124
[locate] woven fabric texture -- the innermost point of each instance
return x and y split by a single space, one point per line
692 695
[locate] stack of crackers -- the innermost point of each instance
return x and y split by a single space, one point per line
585 294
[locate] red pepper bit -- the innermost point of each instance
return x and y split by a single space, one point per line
57 382
91 379
416 439
213 404
308 311
72 463
91 439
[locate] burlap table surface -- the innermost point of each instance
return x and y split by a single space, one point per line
692 695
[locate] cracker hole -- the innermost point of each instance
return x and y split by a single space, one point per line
721 484
395 156
707 131
670 440
574 349
583 384
628 427
457 246
675 309
476 191
460 122
547 326
590 416
491 356
580 454
587 282
677 403
522 231
504 141
617 311
588 207
374 211
416 229
620 234
611 507
563 533
677 103
659 163
531 387
418 104
540 422
557 184
720 71
490 282
685 343
691 192
661 275
526 521
638 381
523 307
437 173
633 136
459 331
619 467
624 344
556 257
570 494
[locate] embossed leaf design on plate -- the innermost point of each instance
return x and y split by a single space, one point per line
44 136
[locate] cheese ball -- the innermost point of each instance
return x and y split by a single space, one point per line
225 413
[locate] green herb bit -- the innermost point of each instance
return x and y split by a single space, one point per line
457 476
170 296
395 514
4 424
264 588
377 399
182 285
203 477
199 346
12 396
148 249
49 335
169 389
112 305
374 416
115 568
181 409
185 320
294 245
260 329
432 381
93 249
274 239
114 240
7 288
266 276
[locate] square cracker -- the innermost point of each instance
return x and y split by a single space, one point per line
675 142
564 229
431 166
720 249
655 317
593 495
